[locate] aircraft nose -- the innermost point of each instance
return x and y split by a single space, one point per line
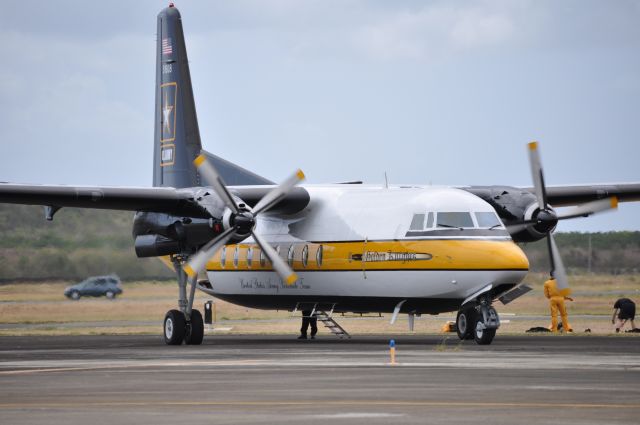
514 256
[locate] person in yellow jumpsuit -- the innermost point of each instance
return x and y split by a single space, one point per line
556 303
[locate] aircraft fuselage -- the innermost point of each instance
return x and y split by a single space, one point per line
366 248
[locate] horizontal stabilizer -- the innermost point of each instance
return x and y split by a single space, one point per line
234 175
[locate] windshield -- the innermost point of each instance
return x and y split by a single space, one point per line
454 219
487 219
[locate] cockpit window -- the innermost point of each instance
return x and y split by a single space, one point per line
454 219
417 223
429 221
487 219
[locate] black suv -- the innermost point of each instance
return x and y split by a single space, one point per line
96 286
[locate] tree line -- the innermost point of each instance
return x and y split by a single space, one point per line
80 243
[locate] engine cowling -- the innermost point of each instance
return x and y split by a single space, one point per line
514 206
158 234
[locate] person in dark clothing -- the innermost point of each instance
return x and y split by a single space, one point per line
624 309
308 319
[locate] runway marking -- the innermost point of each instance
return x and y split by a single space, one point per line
356 415
130 366
436 360
317 403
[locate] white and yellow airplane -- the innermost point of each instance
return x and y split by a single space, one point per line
338 247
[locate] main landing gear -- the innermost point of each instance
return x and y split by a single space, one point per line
478 321
185 324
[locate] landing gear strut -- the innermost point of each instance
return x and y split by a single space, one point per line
478 321
185 324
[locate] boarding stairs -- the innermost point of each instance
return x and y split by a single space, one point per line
320 312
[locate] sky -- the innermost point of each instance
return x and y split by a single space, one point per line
430 92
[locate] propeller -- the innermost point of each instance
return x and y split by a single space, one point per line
240 221
546 219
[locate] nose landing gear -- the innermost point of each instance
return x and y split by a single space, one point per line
478 321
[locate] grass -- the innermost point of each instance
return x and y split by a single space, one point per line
25 304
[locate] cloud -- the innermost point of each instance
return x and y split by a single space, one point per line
434 30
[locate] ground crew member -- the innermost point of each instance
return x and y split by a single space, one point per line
625 309
556 304
308 319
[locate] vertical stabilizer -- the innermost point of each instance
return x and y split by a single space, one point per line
177 138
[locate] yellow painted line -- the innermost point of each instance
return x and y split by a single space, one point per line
57 369
248 362
320 403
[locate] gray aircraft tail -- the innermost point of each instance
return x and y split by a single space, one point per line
177 137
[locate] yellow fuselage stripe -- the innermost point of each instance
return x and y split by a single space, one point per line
380 255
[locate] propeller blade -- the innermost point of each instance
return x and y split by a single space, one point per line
557 266
275 195
285 272
212 177
589 208
536 173
199 260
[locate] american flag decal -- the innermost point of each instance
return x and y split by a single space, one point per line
166 46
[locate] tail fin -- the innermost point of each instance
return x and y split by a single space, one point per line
177 137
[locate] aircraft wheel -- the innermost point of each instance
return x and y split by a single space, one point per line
466 322
75 295
175 327
195 329
110 294
484 336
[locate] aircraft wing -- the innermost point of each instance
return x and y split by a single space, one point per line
561 196
179 202
157 199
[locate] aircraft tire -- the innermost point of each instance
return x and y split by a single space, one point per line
466 323
195 329
175 327
484 336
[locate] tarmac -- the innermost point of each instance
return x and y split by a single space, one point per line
279 380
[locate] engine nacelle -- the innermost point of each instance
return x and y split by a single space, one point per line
158 234
155 246
515 205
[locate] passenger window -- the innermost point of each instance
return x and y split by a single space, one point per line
487 219
429 221
454 219
249 256
290 255
417 223
263 259
223 255
236 254
319 256
305 255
